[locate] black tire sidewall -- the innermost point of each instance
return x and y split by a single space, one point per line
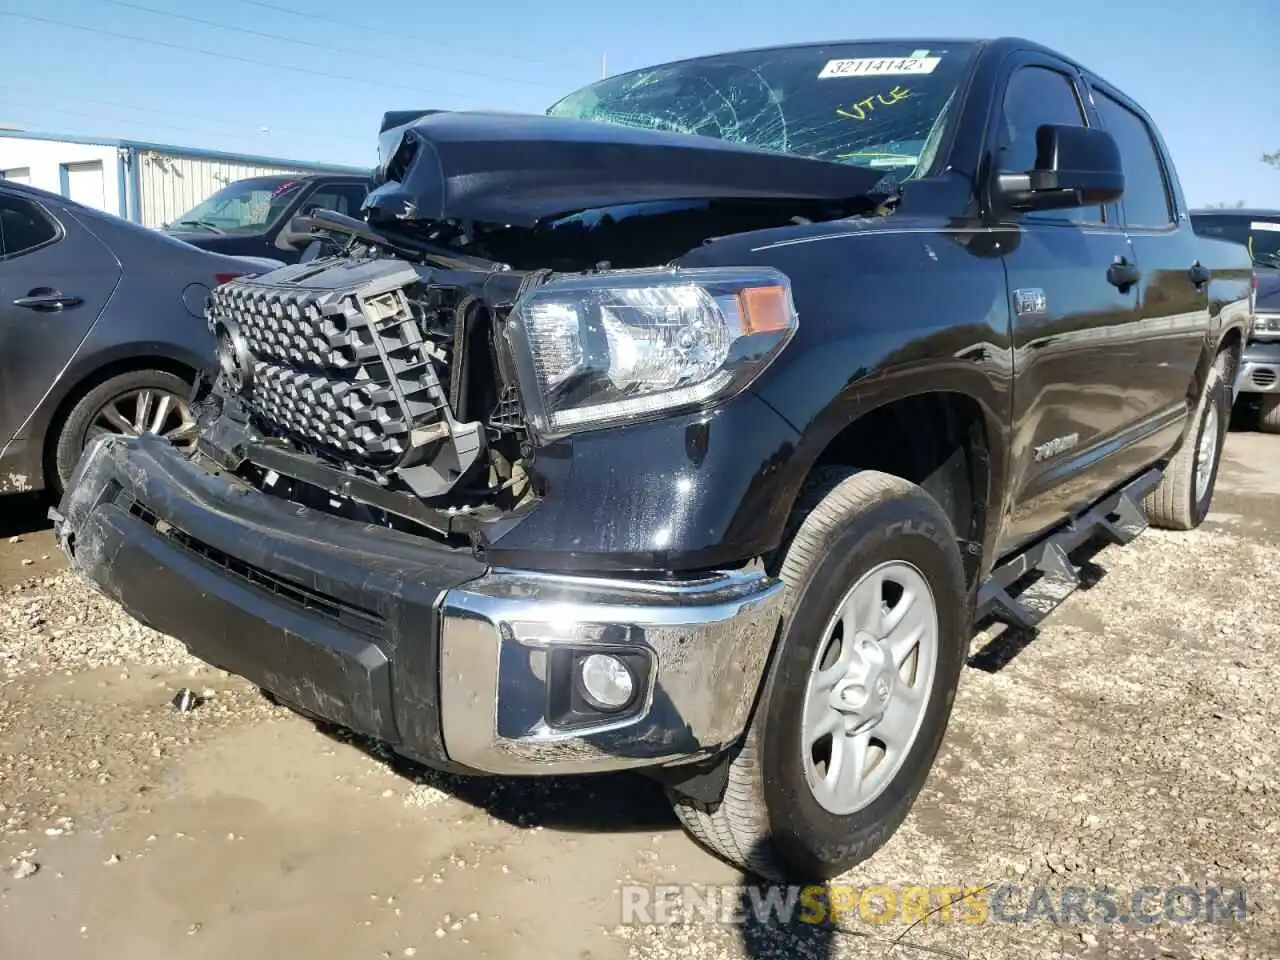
69 444
1217 395
1269 413
806 837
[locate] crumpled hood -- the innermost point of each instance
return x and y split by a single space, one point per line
517 169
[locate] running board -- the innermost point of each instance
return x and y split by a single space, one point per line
1118 518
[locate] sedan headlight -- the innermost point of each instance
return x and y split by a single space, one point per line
604 348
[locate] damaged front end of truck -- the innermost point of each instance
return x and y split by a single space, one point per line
403 513
479 312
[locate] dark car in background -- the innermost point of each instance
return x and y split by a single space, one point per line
102 330
251 217
1257 382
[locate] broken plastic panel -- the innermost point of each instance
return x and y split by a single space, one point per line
335 354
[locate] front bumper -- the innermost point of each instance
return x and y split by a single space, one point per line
455 664
1259 368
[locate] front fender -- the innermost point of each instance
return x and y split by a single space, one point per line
889 309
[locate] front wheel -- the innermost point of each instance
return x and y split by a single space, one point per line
856 701
129 404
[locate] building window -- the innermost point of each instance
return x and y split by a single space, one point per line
84 183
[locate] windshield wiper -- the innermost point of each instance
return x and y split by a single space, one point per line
211 227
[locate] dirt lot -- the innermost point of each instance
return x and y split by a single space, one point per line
1133 740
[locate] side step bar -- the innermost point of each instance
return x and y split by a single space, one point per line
1118 518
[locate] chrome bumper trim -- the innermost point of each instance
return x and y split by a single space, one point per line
705 644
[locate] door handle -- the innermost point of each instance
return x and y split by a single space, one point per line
1200 274
47 301
1123 273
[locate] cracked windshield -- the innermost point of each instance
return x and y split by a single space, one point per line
872 104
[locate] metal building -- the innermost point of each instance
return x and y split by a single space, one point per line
148 183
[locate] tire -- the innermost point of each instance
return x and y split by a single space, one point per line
74 432
1179 503
1269 413
770 821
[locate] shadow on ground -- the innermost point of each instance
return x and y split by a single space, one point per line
23 513
806 933
1245 413
597 803
1044 596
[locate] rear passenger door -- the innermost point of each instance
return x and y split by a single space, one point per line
1173 298
1074 323
55 280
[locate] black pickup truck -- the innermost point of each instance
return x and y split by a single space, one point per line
691 427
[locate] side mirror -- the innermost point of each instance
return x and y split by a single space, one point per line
1075 167
296 234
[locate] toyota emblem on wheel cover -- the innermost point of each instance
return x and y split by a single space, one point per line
882 689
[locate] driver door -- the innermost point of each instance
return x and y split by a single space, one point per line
1075 327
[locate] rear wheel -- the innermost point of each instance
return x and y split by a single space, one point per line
856 701
1181 501
129 404
1269 413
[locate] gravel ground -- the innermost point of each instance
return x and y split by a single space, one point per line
1131 741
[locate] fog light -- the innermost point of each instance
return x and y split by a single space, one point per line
607 683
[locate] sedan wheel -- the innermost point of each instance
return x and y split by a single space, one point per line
132 404
146 411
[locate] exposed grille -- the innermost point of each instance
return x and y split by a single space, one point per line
350 615
338 357
1264 377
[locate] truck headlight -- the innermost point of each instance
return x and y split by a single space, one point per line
604 348
1267 323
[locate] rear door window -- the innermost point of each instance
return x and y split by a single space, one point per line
1146 188
24 226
